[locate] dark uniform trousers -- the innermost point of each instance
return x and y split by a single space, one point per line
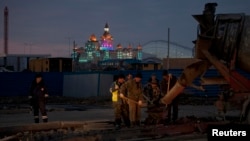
173 108
40 105
121 113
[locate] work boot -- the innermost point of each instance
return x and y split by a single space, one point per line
127 123
118 124
132 124
117 127
45 120
138 123
167 120
36 120
118 121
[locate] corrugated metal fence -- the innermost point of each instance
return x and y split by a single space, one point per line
84 84
18 83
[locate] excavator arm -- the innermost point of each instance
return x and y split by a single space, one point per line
189 74
221 43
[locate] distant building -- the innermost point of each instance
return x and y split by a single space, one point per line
106 39
51 65
151 63
20 62
96 51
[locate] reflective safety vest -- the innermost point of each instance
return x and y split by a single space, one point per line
115 96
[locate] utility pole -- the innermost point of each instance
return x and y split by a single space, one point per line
69 46
168 49
74 55
5 35
74 49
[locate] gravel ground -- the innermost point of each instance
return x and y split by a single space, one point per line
15 111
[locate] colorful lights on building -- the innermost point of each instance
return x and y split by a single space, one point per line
106 39
95 50
119 51
139 54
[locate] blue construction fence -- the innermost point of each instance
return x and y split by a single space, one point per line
18 83
87 84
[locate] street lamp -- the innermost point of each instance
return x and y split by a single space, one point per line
168 49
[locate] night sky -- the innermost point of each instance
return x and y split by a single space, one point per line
51 26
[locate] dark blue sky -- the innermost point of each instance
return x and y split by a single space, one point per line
49 26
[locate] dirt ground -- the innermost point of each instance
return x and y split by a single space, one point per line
73 109
16 111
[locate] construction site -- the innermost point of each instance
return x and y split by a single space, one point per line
222 43
92 120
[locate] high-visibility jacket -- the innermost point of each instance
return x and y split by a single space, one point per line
114 90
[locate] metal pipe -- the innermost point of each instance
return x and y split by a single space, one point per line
189 74
174 92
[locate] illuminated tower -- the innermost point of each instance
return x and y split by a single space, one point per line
106 42
119 51
91 46
129 52
139 52
106 39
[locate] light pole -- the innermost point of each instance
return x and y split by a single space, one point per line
29 45
168 49
69 40
74 55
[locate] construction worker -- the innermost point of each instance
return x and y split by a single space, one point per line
125 107
38 94
167 82
152 92
116 100
129 76
133 88
154 77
